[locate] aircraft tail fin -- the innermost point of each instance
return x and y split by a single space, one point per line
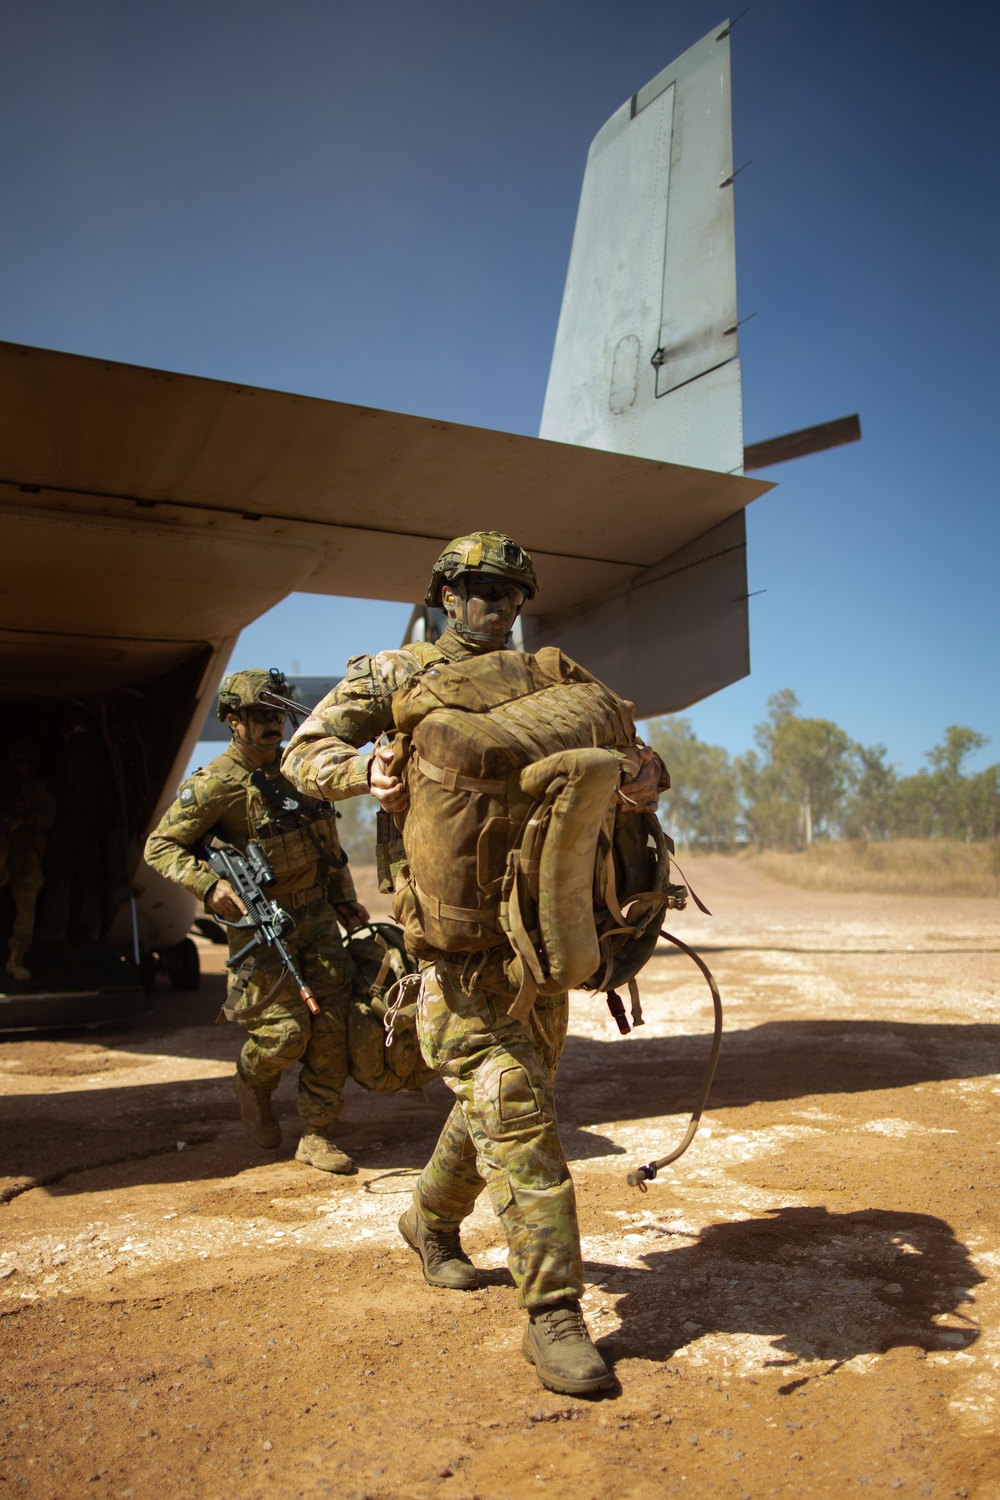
645 359
646 363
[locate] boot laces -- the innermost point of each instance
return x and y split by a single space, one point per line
320 1140
565 1322
443 1245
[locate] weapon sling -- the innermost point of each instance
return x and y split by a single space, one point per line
292 807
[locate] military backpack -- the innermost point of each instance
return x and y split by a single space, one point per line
515 850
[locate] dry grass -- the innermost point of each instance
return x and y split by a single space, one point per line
912 867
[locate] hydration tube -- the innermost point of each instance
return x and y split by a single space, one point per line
639 1176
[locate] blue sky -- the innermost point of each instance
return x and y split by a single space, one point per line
375 203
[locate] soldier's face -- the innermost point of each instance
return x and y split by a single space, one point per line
491 604
261 727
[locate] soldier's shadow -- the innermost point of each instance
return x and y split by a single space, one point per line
816 1284
581 1144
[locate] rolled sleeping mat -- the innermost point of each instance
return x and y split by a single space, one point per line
566 876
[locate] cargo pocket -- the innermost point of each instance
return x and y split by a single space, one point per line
505 1101
502 1197
516 1101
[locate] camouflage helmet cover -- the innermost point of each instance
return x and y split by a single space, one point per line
247 690
482 552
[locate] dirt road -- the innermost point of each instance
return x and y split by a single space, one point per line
806 1305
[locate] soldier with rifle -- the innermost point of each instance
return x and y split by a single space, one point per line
502 1132
267 862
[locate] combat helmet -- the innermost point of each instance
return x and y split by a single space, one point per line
482 552
253 688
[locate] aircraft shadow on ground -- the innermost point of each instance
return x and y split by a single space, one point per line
636 1077
818 1285
49 1139
174 1024
49 1136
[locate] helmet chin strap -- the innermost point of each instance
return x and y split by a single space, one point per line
478 638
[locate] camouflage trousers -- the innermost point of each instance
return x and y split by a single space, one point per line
286 1031
502 1131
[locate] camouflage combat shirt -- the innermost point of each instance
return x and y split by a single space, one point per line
303 851
323 758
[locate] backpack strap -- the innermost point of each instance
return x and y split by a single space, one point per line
691 891
453 782
439 909
273 794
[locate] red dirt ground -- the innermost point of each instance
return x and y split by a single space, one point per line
805 1305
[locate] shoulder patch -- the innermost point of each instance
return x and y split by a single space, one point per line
358 666
187 796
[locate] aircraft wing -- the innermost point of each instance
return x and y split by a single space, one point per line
148 515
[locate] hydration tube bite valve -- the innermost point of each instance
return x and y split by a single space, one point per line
617 1009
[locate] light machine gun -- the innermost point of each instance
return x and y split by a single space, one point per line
265 920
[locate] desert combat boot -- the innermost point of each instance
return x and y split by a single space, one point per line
317 1150
445 1262
257 1113
557 1343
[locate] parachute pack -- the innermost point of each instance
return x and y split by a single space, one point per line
515 848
